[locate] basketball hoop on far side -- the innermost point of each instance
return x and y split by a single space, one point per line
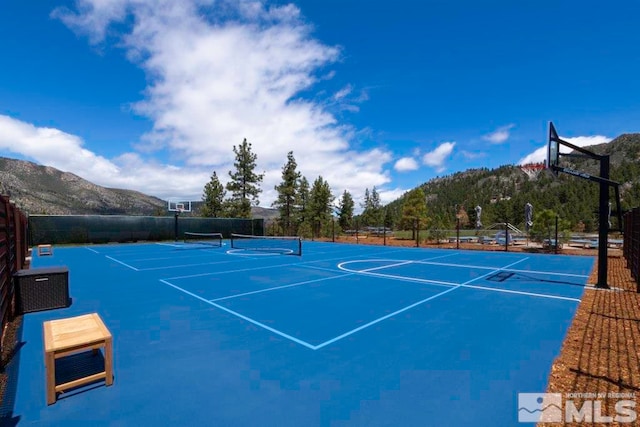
178 206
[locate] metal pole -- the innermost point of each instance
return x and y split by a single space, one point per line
356 231
506 236
457 232
333 229
175 226
555 243
417 232
384 229
603 228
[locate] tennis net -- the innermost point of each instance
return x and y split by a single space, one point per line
208 239
283 245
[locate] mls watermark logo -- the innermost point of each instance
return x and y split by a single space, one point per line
540 407
577 407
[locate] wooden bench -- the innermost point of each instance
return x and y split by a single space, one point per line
45 250
64 337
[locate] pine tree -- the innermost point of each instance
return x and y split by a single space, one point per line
345 214
320 201
366 208
375 207
244 183
302 208
287 191
414 210
213 197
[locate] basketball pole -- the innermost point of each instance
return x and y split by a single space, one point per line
175 225
603 226
603 203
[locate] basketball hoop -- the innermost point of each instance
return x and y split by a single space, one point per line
178 206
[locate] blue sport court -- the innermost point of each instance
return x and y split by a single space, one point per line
344 335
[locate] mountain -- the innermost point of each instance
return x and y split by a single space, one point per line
40 189
503 192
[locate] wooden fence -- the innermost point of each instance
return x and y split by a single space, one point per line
13 254
632 243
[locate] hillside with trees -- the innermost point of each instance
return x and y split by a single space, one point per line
310 207
503 192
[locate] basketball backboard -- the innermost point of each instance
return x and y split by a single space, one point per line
178 205
553 149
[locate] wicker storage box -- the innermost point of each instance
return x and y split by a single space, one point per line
41 289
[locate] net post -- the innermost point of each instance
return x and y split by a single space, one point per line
555 245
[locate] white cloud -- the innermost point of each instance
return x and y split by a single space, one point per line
66 152
406 164
219 72
388 196
500 135
472 155
540 154
437 157
343 92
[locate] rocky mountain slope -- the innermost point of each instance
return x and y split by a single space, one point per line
40 189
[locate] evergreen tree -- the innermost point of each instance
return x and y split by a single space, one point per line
244 183
213 197
302 208
320 202
414 210
544 227
365 205
287 190
372 208
345 215
375 207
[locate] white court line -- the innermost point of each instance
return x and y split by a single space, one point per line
466 284
452 287
482 267
275 288
168 267
494 271
380 319
550 273
297 264
204 253
120 262
248 319
530 294
331 270
367 272
509 291
173 245
438 257
186 265
307 281
92 250
340 271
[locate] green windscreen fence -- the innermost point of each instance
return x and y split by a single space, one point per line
57 229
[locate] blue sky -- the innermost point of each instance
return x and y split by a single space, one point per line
152 95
